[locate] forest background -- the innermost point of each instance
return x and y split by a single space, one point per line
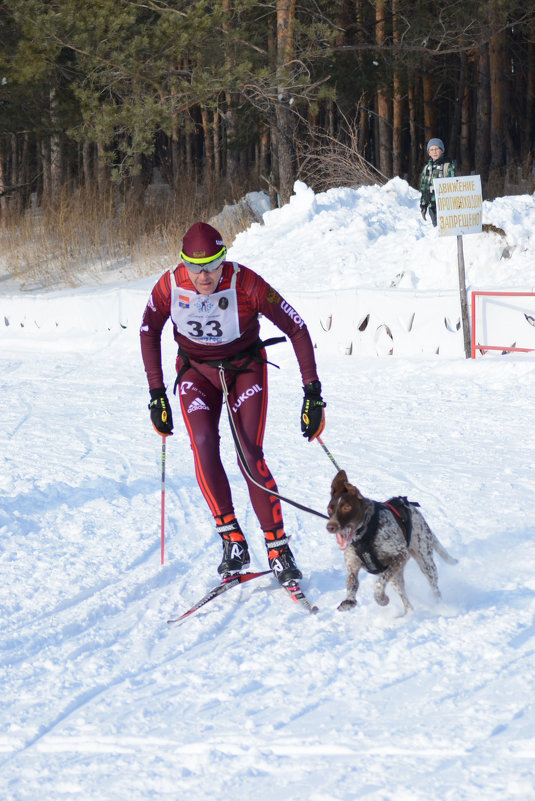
202 101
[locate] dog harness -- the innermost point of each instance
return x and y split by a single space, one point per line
364 538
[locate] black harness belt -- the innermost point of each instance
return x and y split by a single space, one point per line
365 535
239 362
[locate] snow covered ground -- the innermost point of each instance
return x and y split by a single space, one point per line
252 697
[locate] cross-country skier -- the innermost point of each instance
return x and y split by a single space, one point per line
214 306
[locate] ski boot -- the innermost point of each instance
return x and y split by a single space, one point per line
281 559
235 550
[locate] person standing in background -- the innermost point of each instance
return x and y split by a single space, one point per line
438 166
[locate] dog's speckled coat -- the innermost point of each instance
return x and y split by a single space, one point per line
348 511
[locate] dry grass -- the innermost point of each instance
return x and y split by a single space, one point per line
82 237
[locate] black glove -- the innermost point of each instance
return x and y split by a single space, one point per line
160 412
312 414
423 210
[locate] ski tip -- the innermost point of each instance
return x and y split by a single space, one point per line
298 596
178 619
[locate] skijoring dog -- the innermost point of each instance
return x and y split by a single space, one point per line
381 538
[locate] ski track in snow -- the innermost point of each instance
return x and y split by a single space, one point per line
252 697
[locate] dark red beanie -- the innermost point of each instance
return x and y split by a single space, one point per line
202 241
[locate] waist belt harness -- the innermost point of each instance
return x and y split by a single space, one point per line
250 354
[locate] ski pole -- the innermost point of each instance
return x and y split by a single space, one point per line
327 451
162 533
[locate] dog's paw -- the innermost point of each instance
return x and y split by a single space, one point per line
347 604
382 599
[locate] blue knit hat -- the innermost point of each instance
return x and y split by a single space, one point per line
436 143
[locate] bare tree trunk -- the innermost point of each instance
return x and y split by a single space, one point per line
272 170
284 115
175 143
208 145
274 181
135 195
364 128
429 105
217 146
188 153
25 170
265 167
102 170
397 120
464 139
414 162
263 156
453 147
44 152
497 76
482 127
330 115
175 157
3 187
232 153
87 165
286 154
56 147
528 127
397 101
384 115
363 109
14 178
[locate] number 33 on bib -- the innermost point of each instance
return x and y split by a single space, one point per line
206 318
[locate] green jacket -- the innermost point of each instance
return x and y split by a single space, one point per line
443 167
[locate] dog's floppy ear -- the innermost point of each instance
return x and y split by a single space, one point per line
339 483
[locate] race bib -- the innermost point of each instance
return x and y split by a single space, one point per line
208 319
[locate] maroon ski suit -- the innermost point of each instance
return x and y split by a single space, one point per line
223 328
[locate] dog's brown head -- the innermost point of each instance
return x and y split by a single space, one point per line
346 510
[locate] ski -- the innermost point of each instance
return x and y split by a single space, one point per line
224 585
293 589
297 595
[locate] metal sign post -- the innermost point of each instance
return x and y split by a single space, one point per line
459 211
